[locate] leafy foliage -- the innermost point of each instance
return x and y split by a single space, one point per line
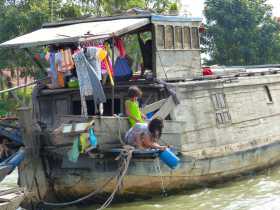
241 32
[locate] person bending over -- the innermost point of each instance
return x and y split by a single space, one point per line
145 136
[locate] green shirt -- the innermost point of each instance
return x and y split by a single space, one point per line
133 108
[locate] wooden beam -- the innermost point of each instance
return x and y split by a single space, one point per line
154 106
166 108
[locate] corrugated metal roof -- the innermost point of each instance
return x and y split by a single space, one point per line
76 32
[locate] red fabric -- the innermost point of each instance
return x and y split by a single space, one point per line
206 71
120 45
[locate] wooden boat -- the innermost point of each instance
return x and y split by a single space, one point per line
221 125
10 142
10 199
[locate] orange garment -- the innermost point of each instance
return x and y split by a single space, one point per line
60 79
69 63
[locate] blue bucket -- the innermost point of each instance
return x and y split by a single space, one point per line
149 115
169 158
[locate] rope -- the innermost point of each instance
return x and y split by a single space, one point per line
163 191
126 156
119 130
80 199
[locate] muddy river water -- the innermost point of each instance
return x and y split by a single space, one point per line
255 192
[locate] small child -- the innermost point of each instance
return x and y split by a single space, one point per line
132 109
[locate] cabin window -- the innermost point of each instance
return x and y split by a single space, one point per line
268 94
77 109
169 37
195 38
178 37
219 101
223 117
221 109
160 36
187 38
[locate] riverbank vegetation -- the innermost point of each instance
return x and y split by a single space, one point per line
241 32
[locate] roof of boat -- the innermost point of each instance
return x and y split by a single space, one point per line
76 31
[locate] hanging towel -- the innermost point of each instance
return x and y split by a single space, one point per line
73 154
92 138
88 82
68 59
84 142
92 57
51 59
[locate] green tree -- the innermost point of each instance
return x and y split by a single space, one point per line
241 32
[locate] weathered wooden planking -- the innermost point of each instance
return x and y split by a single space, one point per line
153 107
165 109
108 129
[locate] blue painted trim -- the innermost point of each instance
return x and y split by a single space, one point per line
169 18
13 135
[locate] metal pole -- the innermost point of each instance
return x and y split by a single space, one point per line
113 87
25 85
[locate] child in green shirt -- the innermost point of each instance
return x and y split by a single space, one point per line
132 108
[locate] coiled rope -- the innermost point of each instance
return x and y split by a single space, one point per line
125 156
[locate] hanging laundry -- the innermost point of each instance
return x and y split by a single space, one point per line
92 138
58 61
120 45
73 154
122 69
107 47
60 79
89 83
69 63
102 54
47 56
84 142
63 61
52 67
92 57
50 56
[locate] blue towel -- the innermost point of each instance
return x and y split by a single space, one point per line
92 138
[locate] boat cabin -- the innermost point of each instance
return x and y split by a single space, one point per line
156 47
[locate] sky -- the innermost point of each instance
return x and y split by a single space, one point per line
195 7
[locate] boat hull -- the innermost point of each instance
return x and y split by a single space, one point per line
143 179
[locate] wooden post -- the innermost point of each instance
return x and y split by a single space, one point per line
31 171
